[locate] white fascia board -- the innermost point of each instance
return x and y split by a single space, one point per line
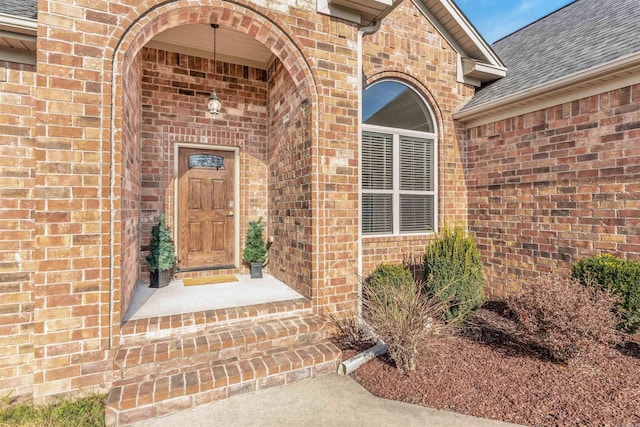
436 23
482 71
598 79
17 24
488 70
471 32
326 8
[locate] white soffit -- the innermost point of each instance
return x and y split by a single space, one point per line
362 12
231 45
479 63
18 42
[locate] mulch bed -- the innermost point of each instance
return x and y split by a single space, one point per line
488 371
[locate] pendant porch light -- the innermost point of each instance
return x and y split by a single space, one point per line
214 105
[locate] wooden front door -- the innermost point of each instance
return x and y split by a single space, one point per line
205 209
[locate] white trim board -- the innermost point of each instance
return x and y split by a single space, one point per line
617 74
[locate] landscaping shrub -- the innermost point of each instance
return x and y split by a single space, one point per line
391 273
620 276
565 318
349 333
453 270
400 314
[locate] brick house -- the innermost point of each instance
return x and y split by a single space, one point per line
353 129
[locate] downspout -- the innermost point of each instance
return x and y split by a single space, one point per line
361 32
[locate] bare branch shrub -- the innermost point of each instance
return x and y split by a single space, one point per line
565 318
403 317
348 331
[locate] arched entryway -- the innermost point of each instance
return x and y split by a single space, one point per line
161 120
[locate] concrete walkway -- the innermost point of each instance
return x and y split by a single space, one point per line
324 401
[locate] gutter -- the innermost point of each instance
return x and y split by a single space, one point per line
18 24
20 30
548 89
360 76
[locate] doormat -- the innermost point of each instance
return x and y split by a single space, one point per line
211 280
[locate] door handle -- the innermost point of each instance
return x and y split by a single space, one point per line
230 214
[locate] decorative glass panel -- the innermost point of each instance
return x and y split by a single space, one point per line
377 161
206 161
377 213
416 164
416 213
392 104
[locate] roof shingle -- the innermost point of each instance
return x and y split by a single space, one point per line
580 36
21 8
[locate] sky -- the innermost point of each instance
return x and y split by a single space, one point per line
495 19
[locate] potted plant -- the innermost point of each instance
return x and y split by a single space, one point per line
255 250
162 257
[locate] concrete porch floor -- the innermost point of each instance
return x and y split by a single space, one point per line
176 298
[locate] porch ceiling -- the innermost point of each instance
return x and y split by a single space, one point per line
197 39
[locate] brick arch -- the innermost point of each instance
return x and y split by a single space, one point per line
138 28
257 24
415 84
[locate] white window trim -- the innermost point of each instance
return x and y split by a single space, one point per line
396 192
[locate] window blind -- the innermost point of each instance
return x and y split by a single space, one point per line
416 164
377 161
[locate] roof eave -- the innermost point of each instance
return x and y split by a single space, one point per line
22 30
492 66
489 56
482 72
17 24
505 107
363 12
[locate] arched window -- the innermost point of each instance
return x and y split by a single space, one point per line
399 161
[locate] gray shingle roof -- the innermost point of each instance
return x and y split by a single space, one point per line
582 35
21 8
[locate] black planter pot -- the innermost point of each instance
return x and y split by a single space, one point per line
256 270
160 278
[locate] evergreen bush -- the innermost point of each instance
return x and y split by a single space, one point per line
161 249
453 270
390 274
255 249
622 277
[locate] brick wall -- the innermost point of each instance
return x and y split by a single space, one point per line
17 226
552 186
290 215
427 63
84 189
131 184
175 89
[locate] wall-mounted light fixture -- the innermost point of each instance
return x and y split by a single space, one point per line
214 103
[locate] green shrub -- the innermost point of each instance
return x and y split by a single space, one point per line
255 247
391 273
622 277
161 249
564 318
453 270
399 314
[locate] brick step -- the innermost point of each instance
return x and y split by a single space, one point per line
137 400
141 330
175 354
